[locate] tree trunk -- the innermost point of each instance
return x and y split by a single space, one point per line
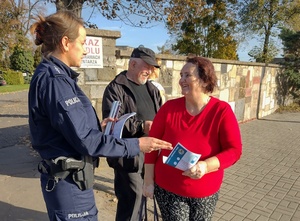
269 25
266 45
72 5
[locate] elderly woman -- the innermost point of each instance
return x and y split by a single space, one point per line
204 125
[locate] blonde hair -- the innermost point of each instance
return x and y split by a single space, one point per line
50 30
155 71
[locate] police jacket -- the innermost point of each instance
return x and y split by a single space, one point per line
62 120
120 90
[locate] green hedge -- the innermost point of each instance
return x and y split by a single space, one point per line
12 77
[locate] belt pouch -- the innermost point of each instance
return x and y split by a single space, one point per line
84 178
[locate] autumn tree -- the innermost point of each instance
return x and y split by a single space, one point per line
294 18
204 28
263 18
139 13
201 27
165 49
256 53
7 24
15 17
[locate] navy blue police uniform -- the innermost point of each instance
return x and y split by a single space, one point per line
65 131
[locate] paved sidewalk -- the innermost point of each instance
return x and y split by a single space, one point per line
263 185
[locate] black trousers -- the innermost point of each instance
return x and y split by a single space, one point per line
129 191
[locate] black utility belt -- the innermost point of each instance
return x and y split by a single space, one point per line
82 171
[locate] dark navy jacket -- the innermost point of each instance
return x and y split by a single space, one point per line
62 120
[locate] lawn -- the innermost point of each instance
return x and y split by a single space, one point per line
12 88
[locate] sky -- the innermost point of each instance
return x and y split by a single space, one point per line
153 37
133 36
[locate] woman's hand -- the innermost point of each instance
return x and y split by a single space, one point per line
148 187
197 171
211 164
148 190
105 121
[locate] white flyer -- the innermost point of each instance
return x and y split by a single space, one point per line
181 158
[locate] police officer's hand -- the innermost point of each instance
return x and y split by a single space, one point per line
105 121
148 144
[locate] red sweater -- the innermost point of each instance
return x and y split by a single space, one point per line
213 132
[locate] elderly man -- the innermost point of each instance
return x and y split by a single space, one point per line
136 94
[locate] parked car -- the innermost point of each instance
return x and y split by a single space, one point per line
2 81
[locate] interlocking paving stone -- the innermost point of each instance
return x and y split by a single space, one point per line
264 185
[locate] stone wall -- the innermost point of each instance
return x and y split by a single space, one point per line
250 88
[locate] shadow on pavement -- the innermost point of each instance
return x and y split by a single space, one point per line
9 212
282 121
16 135
104 184
14 115
17 158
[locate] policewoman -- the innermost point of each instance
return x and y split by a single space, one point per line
64 127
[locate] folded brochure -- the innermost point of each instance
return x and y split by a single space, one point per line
114 110
119 125
116 128
181 158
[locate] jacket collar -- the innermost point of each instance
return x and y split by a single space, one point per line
66 69
122 79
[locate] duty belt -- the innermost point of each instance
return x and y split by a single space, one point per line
82 171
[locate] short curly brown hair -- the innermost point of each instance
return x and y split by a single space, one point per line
206 72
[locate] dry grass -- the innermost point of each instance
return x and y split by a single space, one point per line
295 107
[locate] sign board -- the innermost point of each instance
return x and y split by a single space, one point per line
94 57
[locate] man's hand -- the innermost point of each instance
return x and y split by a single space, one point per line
147 126
148 144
